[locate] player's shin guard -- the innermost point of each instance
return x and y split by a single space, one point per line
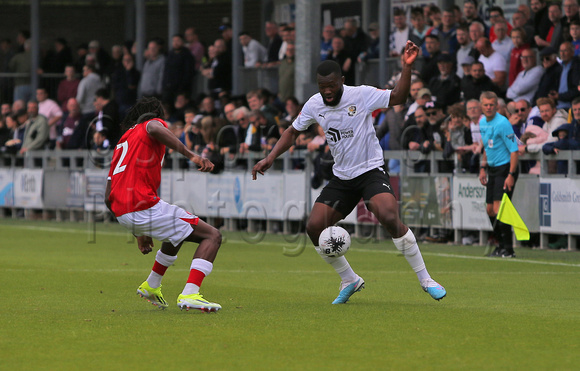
408 246
162 262
341 267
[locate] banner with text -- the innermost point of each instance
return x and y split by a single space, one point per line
559 204
469 204
28 188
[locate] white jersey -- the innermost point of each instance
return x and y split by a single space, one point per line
348 128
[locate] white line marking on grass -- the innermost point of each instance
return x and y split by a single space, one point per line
289 244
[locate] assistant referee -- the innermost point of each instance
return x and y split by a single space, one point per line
498 168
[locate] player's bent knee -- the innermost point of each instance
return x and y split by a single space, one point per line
216 237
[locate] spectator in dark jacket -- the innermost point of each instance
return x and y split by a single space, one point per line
446 86
430 70
473 85
262 134
274 42
552 69
178 70
125 83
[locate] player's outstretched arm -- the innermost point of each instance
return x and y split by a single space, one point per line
400 93
166 137
286 141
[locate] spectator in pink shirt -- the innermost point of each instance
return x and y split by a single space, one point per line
195 46
51 110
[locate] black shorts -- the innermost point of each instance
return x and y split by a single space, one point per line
344 195
496 177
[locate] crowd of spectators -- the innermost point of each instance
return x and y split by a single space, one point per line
530 61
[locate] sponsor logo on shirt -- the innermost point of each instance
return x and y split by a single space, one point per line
335 135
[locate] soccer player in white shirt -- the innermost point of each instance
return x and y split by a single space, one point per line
344 113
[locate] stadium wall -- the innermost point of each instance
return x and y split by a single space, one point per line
547 204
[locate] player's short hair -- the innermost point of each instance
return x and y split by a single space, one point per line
463 27
575 22
146 108
487 95
434 9
398 11
525 101
545 100
255 93
457 110
478 25
256 113
103 93
576 100
472 101
521 30
496 9
417 11
431 36
328 68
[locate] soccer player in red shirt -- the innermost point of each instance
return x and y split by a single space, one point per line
131 195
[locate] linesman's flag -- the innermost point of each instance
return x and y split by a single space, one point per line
509 215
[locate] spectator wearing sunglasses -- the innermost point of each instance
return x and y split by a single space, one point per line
524 116
550 80
435 118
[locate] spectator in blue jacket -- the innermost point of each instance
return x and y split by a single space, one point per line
564 142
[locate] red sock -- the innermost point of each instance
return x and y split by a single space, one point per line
159 268
196 277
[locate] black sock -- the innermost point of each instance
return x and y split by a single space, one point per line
506 236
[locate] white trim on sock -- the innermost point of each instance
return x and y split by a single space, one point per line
202 265
164 259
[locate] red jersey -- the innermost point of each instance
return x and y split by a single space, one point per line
135 172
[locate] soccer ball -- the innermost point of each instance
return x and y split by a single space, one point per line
334 241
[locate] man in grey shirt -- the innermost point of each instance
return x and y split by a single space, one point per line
151 81
88 86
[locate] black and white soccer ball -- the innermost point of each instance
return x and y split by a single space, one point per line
334 241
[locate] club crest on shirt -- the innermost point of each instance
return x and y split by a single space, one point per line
510 137
351 110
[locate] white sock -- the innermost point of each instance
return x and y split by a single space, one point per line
154 279
202 266
341 267
408 246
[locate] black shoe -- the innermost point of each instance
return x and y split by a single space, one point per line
496 252
508 254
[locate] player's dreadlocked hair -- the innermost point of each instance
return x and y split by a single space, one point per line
145 109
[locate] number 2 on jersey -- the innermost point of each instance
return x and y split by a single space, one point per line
119 168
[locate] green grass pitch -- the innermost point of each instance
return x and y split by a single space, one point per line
69 302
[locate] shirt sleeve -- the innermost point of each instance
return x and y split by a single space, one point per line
509 137
375 98
305 117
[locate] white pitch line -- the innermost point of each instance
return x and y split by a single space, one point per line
288 245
